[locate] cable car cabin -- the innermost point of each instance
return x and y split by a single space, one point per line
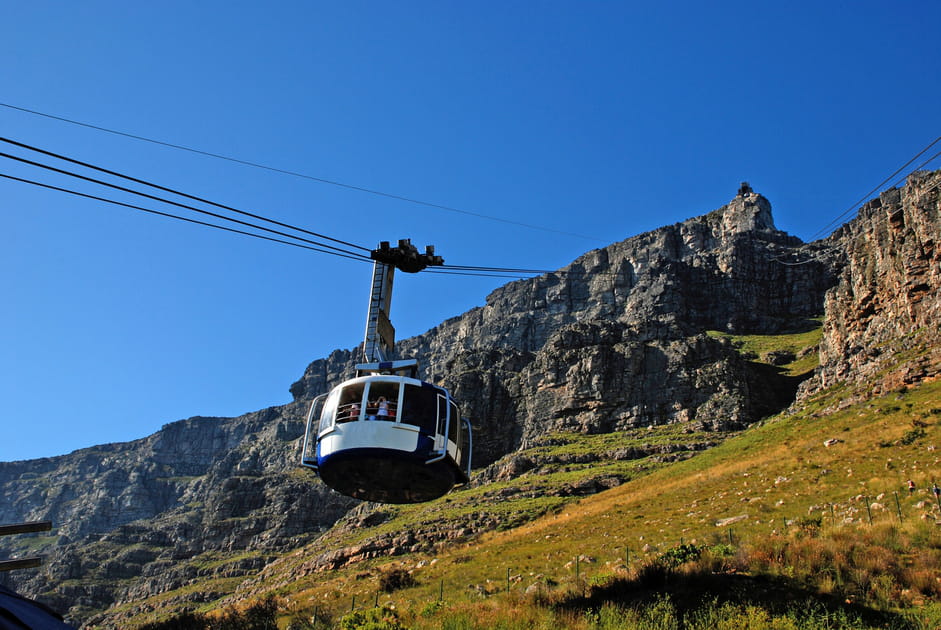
387 436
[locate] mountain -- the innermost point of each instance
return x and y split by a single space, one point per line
641 336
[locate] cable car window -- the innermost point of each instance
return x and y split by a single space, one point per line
454 429
420 407
329 410
383 400
351 403
442 420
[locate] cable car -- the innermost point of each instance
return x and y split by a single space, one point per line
385 435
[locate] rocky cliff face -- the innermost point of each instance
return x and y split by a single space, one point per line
613 341
883 319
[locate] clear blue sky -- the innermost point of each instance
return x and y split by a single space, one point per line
602 119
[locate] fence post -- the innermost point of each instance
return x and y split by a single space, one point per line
508 579
353 604
730 534
898 506
869 511
576 570
441 591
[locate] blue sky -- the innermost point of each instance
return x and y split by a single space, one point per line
593 121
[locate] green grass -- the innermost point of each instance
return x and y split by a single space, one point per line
805 537
757 347
776 474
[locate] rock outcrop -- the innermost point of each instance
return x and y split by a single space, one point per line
882 329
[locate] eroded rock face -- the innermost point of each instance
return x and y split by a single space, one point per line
887 299
615 339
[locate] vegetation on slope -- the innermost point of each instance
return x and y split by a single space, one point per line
805 521
805 542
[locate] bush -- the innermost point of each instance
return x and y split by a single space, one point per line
809 525
911 436
317 618
432 608
602 580
374 619
396 579
183 621
260 616
681 554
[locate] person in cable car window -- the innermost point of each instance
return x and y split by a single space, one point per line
354 411
383 411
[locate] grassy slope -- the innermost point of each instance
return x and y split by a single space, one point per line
770 479
771 474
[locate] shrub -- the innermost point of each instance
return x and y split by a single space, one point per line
183 621
432 608
373 619
601 580
681 554
809 525
911 436
317 618
396 579
258 616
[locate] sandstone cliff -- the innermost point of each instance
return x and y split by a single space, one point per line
883 320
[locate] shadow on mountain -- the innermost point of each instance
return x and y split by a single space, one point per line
773 388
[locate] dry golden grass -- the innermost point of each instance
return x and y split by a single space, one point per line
773 475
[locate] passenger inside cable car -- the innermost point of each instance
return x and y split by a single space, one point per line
351 404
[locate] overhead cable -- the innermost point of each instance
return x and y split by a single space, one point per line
282 171
498 272
478 274
175 203
878 186
521 273
180 218
832 248
177 192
